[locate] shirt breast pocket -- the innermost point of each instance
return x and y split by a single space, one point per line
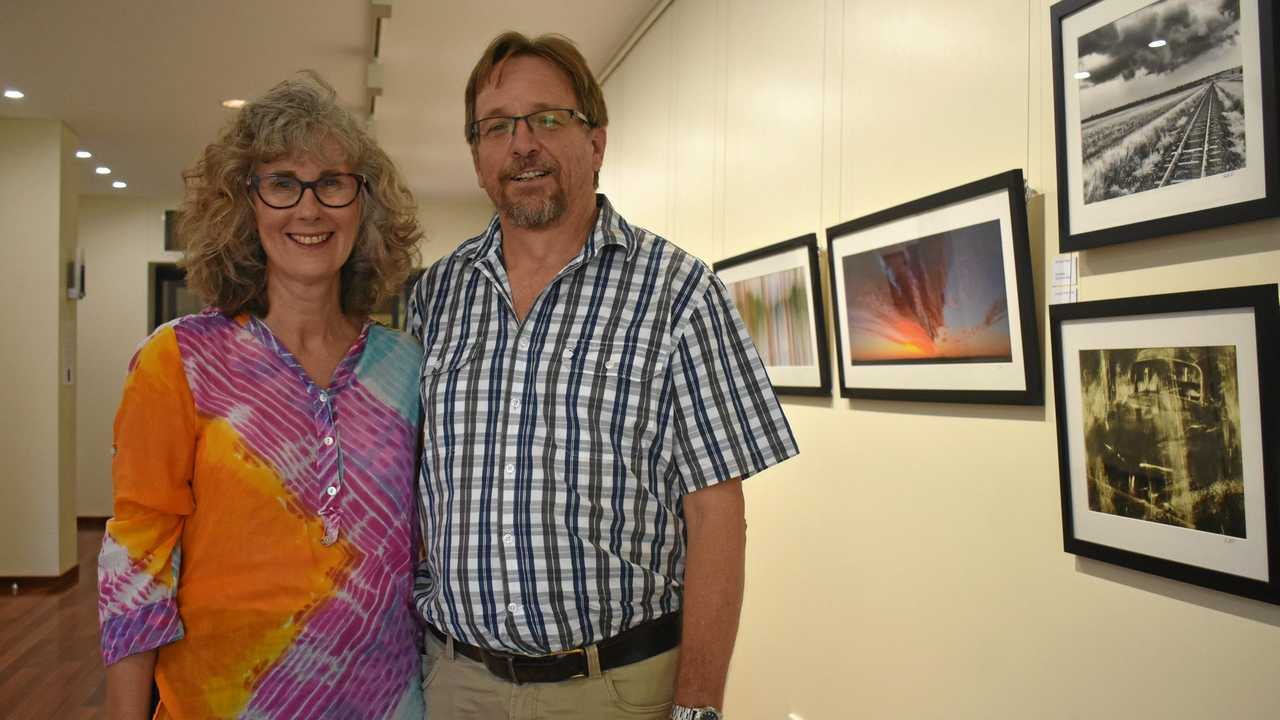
615 388
622 363
446 357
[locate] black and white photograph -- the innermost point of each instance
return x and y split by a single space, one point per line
1162 108
933 298
1166 422
1162 98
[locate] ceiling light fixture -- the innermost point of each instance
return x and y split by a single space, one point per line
103 170
119 184
14 94
1081 75
1157 43
84 154
234 104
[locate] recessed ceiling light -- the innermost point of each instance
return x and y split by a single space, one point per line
233 104
1157 43
84 154
103 170
119 184
14 94
1081 75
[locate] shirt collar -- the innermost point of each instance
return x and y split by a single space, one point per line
610 229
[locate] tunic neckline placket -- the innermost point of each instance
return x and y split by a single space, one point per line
325 418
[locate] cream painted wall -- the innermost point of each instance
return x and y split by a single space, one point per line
909 563
446 225
37 198
122 235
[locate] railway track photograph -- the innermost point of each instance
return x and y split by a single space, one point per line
1161 98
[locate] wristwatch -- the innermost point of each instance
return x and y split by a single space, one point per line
680 712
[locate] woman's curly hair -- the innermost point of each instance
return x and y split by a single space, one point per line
224 259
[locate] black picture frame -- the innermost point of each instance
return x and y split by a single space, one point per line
1107 195
1015 380
797 253
1127 499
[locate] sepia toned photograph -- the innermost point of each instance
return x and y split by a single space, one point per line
1165 408
939 298
1162 436
1161 98
775 309
777 290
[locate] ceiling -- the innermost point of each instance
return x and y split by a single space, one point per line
141 81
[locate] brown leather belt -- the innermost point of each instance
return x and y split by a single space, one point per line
639 643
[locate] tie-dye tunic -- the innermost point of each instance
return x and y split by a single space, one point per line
264 534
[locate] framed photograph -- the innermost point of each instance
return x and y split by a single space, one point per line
934 299
1166 435
1165 117
778 292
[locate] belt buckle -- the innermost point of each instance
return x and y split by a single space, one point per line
575 651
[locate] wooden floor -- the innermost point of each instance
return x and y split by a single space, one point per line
49 661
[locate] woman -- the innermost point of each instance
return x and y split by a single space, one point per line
259 563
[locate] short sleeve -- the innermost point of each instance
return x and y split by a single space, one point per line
727 422
154 451
413 313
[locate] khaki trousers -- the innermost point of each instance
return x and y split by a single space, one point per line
458 688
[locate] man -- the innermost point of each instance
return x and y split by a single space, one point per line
592 402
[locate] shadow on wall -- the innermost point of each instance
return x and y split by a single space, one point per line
1212 244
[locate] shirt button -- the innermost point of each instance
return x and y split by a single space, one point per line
508 540
328 440
324 397
509 470
524 343
515 404
568 353
332 490
608 364
513 608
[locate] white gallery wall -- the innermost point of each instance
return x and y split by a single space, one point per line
122 237
908 563
38 197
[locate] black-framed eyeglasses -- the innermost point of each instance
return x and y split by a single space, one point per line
500 128
284 191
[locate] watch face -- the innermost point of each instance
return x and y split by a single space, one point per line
706 714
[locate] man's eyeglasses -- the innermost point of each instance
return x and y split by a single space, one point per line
500 128
285 191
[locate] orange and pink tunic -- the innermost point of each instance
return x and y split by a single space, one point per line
265 527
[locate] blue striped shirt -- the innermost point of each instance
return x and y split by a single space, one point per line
556 450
